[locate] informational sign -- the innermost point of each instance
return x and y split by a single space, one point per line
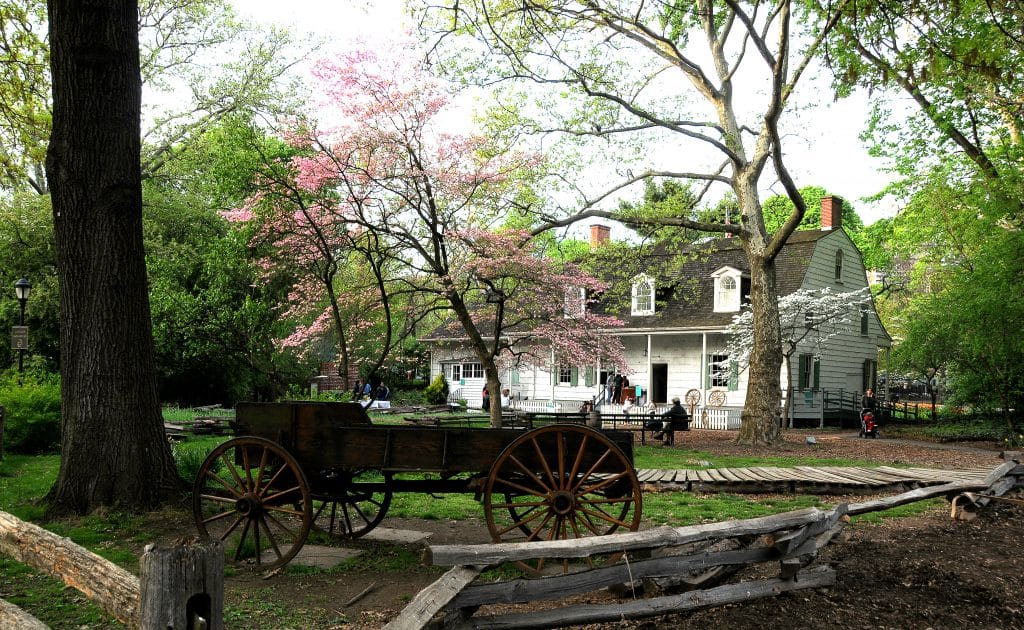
19 337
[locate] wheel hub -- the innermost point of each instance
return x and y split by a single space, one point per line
248 505
563 502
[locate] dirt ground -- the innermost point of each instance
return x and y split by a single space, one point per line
917 572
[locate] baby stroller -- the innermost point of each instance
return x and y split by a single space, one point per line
868 424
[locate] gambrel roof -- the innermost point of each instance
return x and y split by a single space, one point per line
687 292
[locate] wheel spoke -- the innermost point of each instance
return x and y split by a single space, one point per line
526 490
227 532
544 463
526 520
264 456
529 473
241 540
270 535
230 465
516 505
219 499
593 469
285 492
227 486
601 484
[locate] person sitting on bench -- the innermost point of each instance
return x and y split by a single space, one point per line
675 419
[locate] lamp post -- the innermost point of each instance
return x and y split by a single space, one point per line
22 289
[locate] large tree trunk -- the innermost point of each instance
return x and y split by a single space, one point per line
113 449
761 412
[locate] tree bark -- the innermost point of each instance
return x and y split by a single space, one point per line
113 450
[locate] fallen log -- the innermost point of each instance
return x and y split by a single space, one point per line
112 588
13 617
598 613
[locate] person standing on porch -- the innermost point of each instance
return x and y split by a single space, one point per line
617 392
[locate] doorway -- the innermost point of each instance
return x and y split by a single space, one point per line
659 382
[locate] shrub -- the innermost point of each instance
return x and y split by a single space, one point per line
32 412
437 392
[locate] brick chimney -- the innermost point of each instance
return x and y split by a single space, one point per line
831 213
599 235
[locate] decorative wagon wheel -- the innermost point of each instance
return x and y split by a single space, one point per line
560 482
717 398
692 398
355 504
252 495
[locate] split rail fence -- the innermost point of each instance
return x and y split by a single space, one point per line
683 567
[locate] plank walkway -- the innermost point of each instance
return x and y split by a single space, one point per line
803 478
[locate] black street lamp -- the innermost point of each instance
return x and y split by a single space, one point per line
22 289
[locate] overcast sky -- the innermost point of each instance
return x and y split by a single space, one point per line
825 152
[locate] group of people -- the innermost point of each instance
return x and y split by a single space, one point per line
614 386
506 399
370 391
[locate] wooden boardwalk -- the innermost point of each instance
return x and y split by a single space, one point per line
808 479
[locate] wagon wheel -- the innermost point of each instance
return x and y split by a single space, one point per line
692 398
252 495
560 482
717 398
357 503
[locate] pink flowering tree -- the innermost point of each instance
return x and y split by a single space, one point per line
339 283
520 307
390 170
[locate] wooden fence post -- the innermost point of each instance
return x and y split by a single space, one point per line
182 587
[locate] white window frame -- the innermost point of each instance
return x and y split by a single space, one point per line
719 370
563 374
643 295
728 282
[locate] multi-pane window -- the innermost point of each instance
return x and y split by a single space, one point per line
864 322
718 370
643 296
839 264
564 375
810 372
455 372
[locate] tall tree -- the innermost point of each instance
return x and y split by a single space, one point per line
959 62
666 76
113 450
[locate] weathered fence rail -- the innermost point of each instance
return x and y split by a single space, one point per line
178 587
664 561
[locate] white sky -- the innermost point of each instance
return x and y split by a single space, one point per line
826 152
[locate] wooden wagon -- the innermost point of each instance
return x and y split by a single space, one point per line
301 466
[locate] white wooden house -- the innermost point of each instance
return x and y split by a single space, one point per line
674 332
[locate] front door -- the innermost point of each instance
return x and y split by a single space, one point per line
659 382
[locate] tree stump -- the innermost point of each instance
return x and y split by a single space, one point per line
182 587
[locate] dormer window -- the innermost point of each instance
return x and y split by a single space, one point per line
728 282
575 301
643 295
